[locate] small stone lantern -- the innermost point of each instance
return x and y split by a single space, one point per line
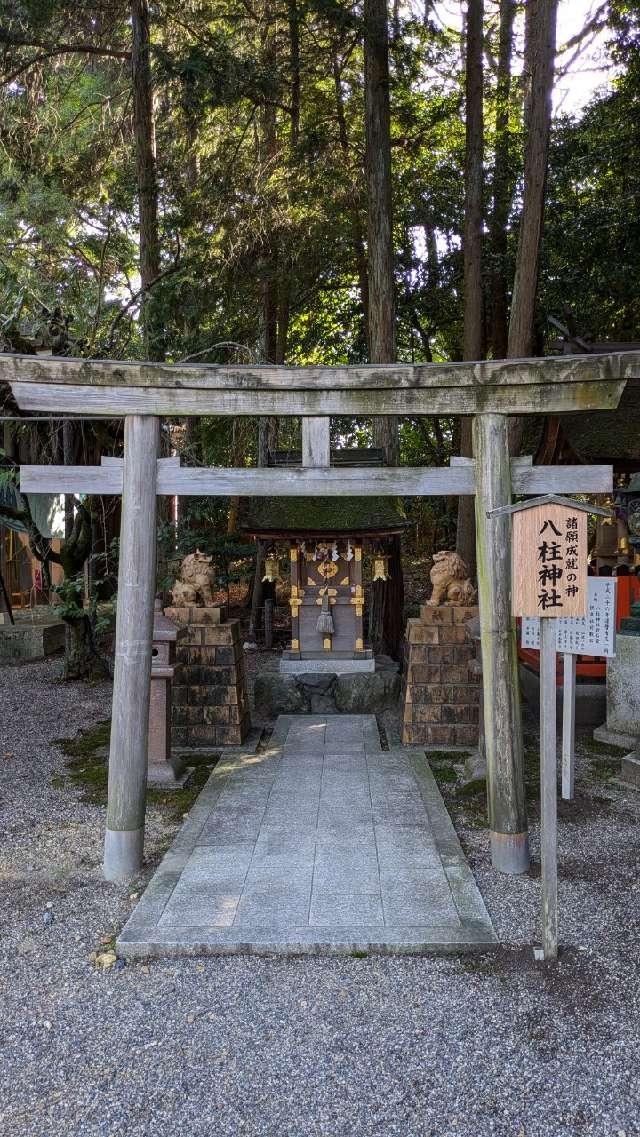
476 765
163 768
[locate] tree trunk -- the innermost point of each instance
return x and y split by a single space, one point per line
473 207
473 335
237 458
386 609
382 345
68 449
78 654
503 181
294 48
539 60
145 140
357 234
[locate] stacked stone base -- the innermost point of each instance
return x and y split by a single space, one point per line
441 694
210 706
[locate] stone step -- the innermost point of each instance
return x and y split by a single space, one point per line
630 770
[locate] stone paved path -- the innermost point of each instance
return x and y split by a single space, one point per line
322 842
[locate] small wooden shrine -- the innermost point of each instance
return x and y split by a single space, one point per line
326 539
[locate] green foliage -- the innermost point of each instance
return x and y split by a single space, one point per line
69 598
262 194
233 558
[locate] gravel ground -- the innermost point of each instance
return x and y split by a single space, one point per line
475 1045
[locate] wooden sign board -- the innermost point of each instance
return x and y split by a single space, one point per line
549 561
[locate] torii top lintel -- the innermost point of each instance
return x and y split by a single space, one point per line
62 385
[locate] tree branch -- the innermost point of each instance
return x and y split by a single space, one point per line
14 40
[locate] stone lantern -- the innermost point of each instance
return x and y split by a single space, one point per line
163 769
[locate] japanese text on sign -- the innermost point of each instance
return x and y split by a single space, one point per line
593 634
550 561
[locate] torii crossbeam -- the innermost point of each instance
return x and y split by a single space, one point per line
144 392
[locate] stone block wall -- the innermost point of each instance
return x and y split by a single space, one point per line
441 692
210 705
26 640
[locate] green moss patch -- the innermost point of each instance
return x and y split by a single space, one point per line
477 788
600 749
447 756
179 801
87 763
444 773
87 744
604 769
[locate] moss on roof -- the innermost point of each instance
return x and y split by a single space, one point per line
315 515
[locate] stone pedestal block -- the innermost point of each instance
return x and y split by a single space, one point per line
623 694
28 639
210 701
441 690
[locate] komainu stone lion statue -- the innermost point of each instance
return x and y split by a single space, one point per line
195 583
450 580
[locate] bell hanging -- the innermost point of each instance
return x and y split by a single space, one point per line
271 573
381 566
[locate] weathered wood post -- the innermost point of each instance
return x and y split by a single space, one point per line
568 726
548 790
316 441
502 720
132 673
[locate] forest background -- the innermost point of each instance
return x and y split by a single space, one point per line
313 181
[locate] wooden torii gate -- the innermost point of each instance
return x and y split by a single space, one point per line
143 393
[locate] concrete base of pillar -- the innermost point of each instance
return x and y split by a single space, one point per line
510 852
123 853
630 770
615 737
163 777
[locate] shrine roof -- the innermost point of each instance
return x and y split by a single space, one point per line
317 517
607 435
597 437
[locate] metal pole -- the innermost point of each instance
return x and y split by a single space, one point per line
548 788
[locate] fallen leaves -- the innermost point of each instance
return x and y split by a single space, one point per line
103 959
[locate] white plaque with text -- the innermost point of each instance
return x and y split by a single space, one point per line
593 634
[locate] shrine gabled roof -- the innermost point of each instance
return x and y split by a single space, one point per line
607 435
317 517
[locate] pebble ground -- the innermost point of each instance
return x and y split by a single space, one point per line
414 1047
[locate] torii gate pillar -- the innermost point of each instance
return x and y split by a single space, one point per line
501 689
132 672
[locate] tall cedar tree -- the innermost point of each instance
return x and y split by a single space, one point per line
145 143
473 316
387 600
502 188
540 52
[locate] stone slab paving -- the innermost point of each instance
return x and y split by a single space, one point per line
320 843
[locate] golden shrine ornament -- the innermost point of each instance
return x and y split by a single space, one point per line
327 569
271 573
381 566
